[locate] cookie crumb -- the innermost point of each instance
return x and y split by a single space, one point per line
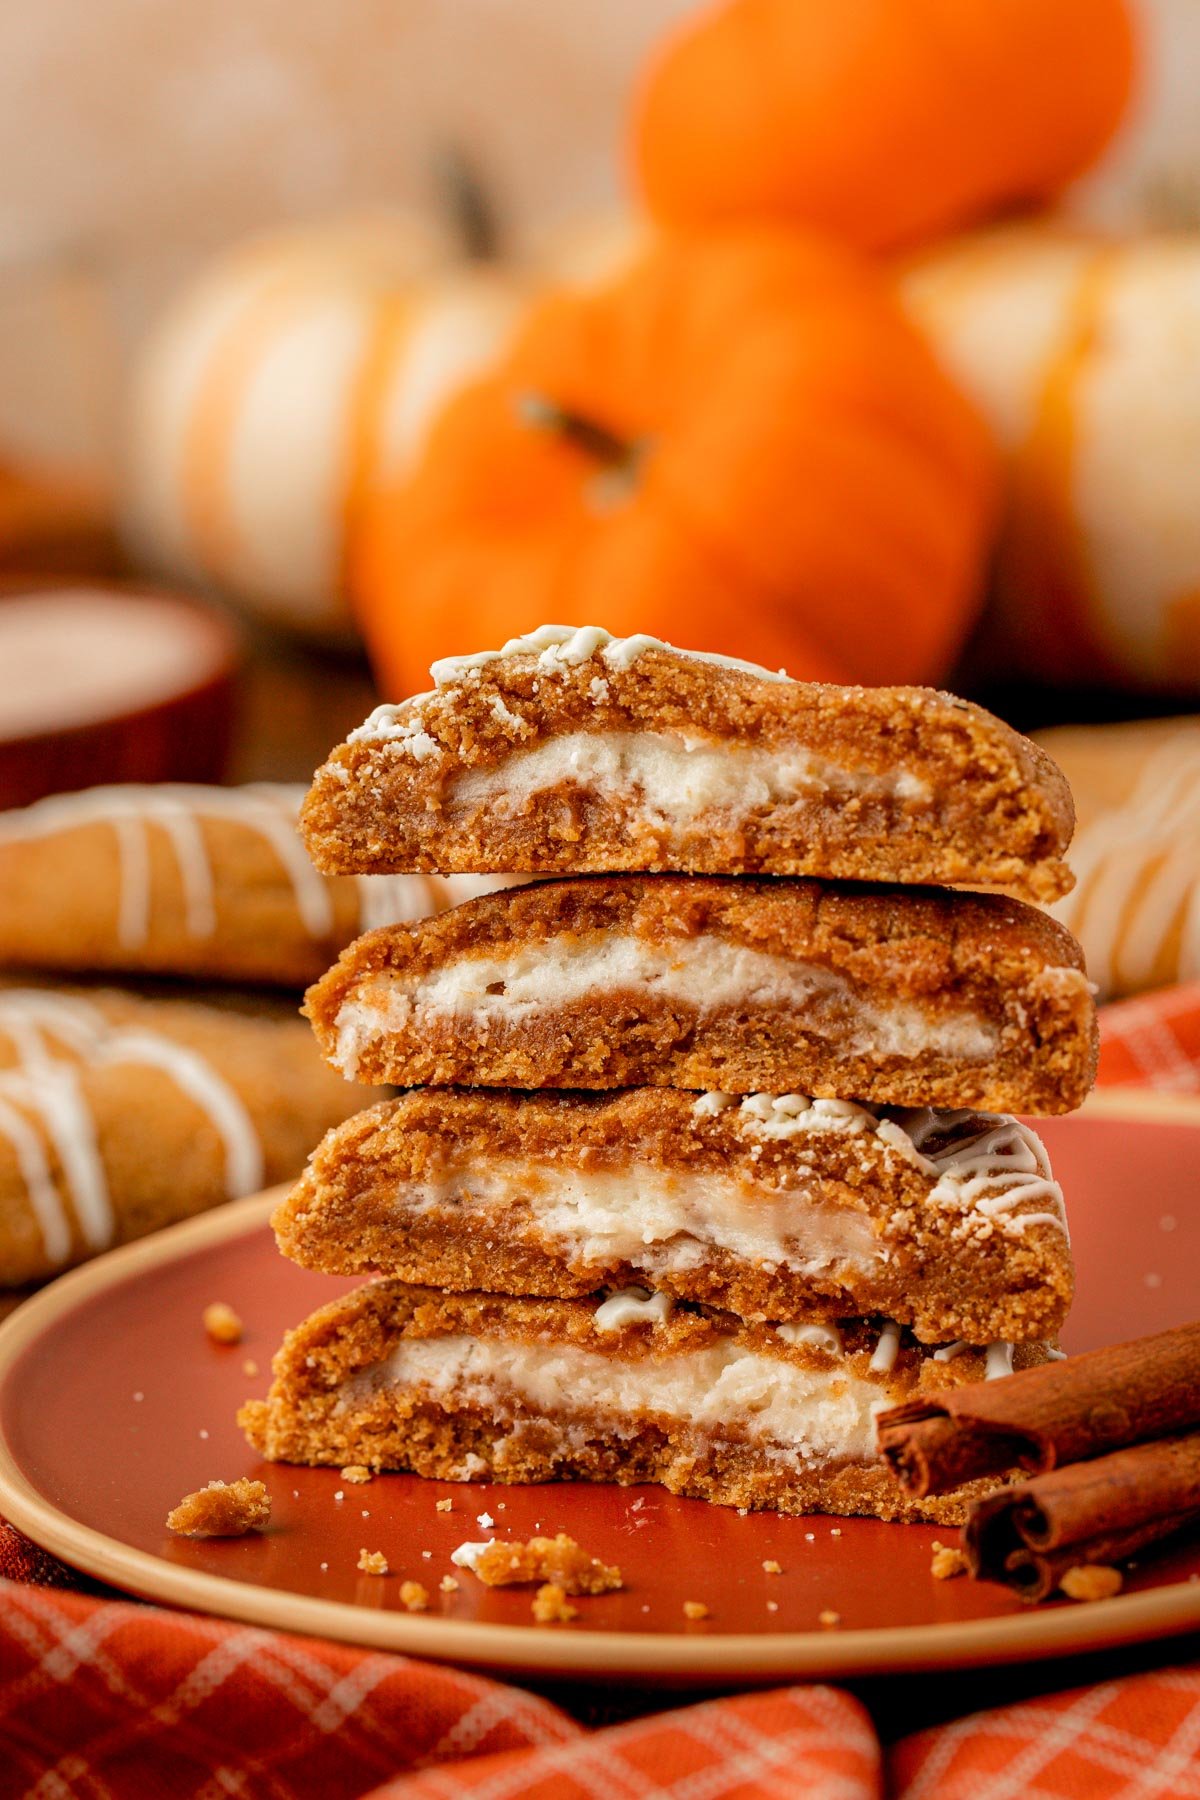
222 1323
250 1367
372 1562
1091 1581
357 1473
414 1597
771 1567
222 1509
550 1605
559 1561
443 1506
948 1561
485 1521
829 1619
448 1585
695 1609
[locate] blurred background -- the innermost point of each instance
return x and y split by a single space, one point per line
212 218
858 339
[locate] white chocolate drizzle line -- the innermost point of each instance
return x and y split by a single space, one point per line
821 1337
643 1306
1136 868
46 1084
558 648
988 1165
883 1357
177 810
632 1306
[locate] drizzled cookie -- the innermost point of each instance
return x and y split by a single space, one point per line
774 1207
119 1115
629 1388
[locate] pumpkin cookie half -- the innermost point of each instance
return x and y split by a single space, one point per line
574 752
628 1389
772 1207
902 996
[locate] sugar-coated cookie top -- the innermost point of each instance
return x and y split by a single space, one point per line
555 647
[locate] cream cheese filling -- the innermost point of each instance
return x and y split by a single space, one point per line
723 1389
659 1219
673 780
704 972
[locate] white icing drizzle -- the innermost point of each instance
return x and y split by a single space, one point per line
1136 870
883 1358
557 648
822 1337
198 1079
988 1167
35 1173
991 1171
999 1360
710 1105
567 646
47 1084
948 1352
178 810
632 1306
133 892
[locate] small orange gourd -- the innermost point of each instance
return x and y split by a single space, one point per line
885 122
739 444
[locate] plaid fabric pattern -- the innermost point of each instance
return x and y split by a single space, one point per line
1137 1739
1153 1041
811 1741
101 1699
113 1701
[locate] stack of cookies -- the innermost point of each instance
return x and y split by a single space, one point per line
696 1172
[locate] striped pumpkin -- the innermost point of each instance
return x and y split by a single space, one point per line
297 370
1084 355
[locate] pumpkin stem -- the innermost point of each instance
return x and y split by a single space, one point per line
586 435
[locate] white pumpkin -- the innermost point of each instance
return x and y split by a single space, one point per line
1084 354
280 385
588 249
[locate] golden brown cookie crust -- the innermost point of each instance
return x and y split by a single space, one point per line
160 1150
954 957
908 784
363 1205
384 1426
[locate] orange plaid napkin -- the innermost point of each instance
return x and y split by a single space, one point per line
108 1700
1153 1041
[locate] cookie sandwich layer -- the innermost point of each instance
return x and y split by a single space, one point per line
570 751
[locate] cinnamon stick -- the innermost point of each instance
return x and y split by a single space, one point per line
1063 1412
1099 1511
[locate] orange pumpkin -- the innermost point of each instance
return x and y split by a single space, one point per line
882 121
740 444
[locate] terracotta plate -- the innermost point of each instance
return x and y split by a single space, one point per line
113 1404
